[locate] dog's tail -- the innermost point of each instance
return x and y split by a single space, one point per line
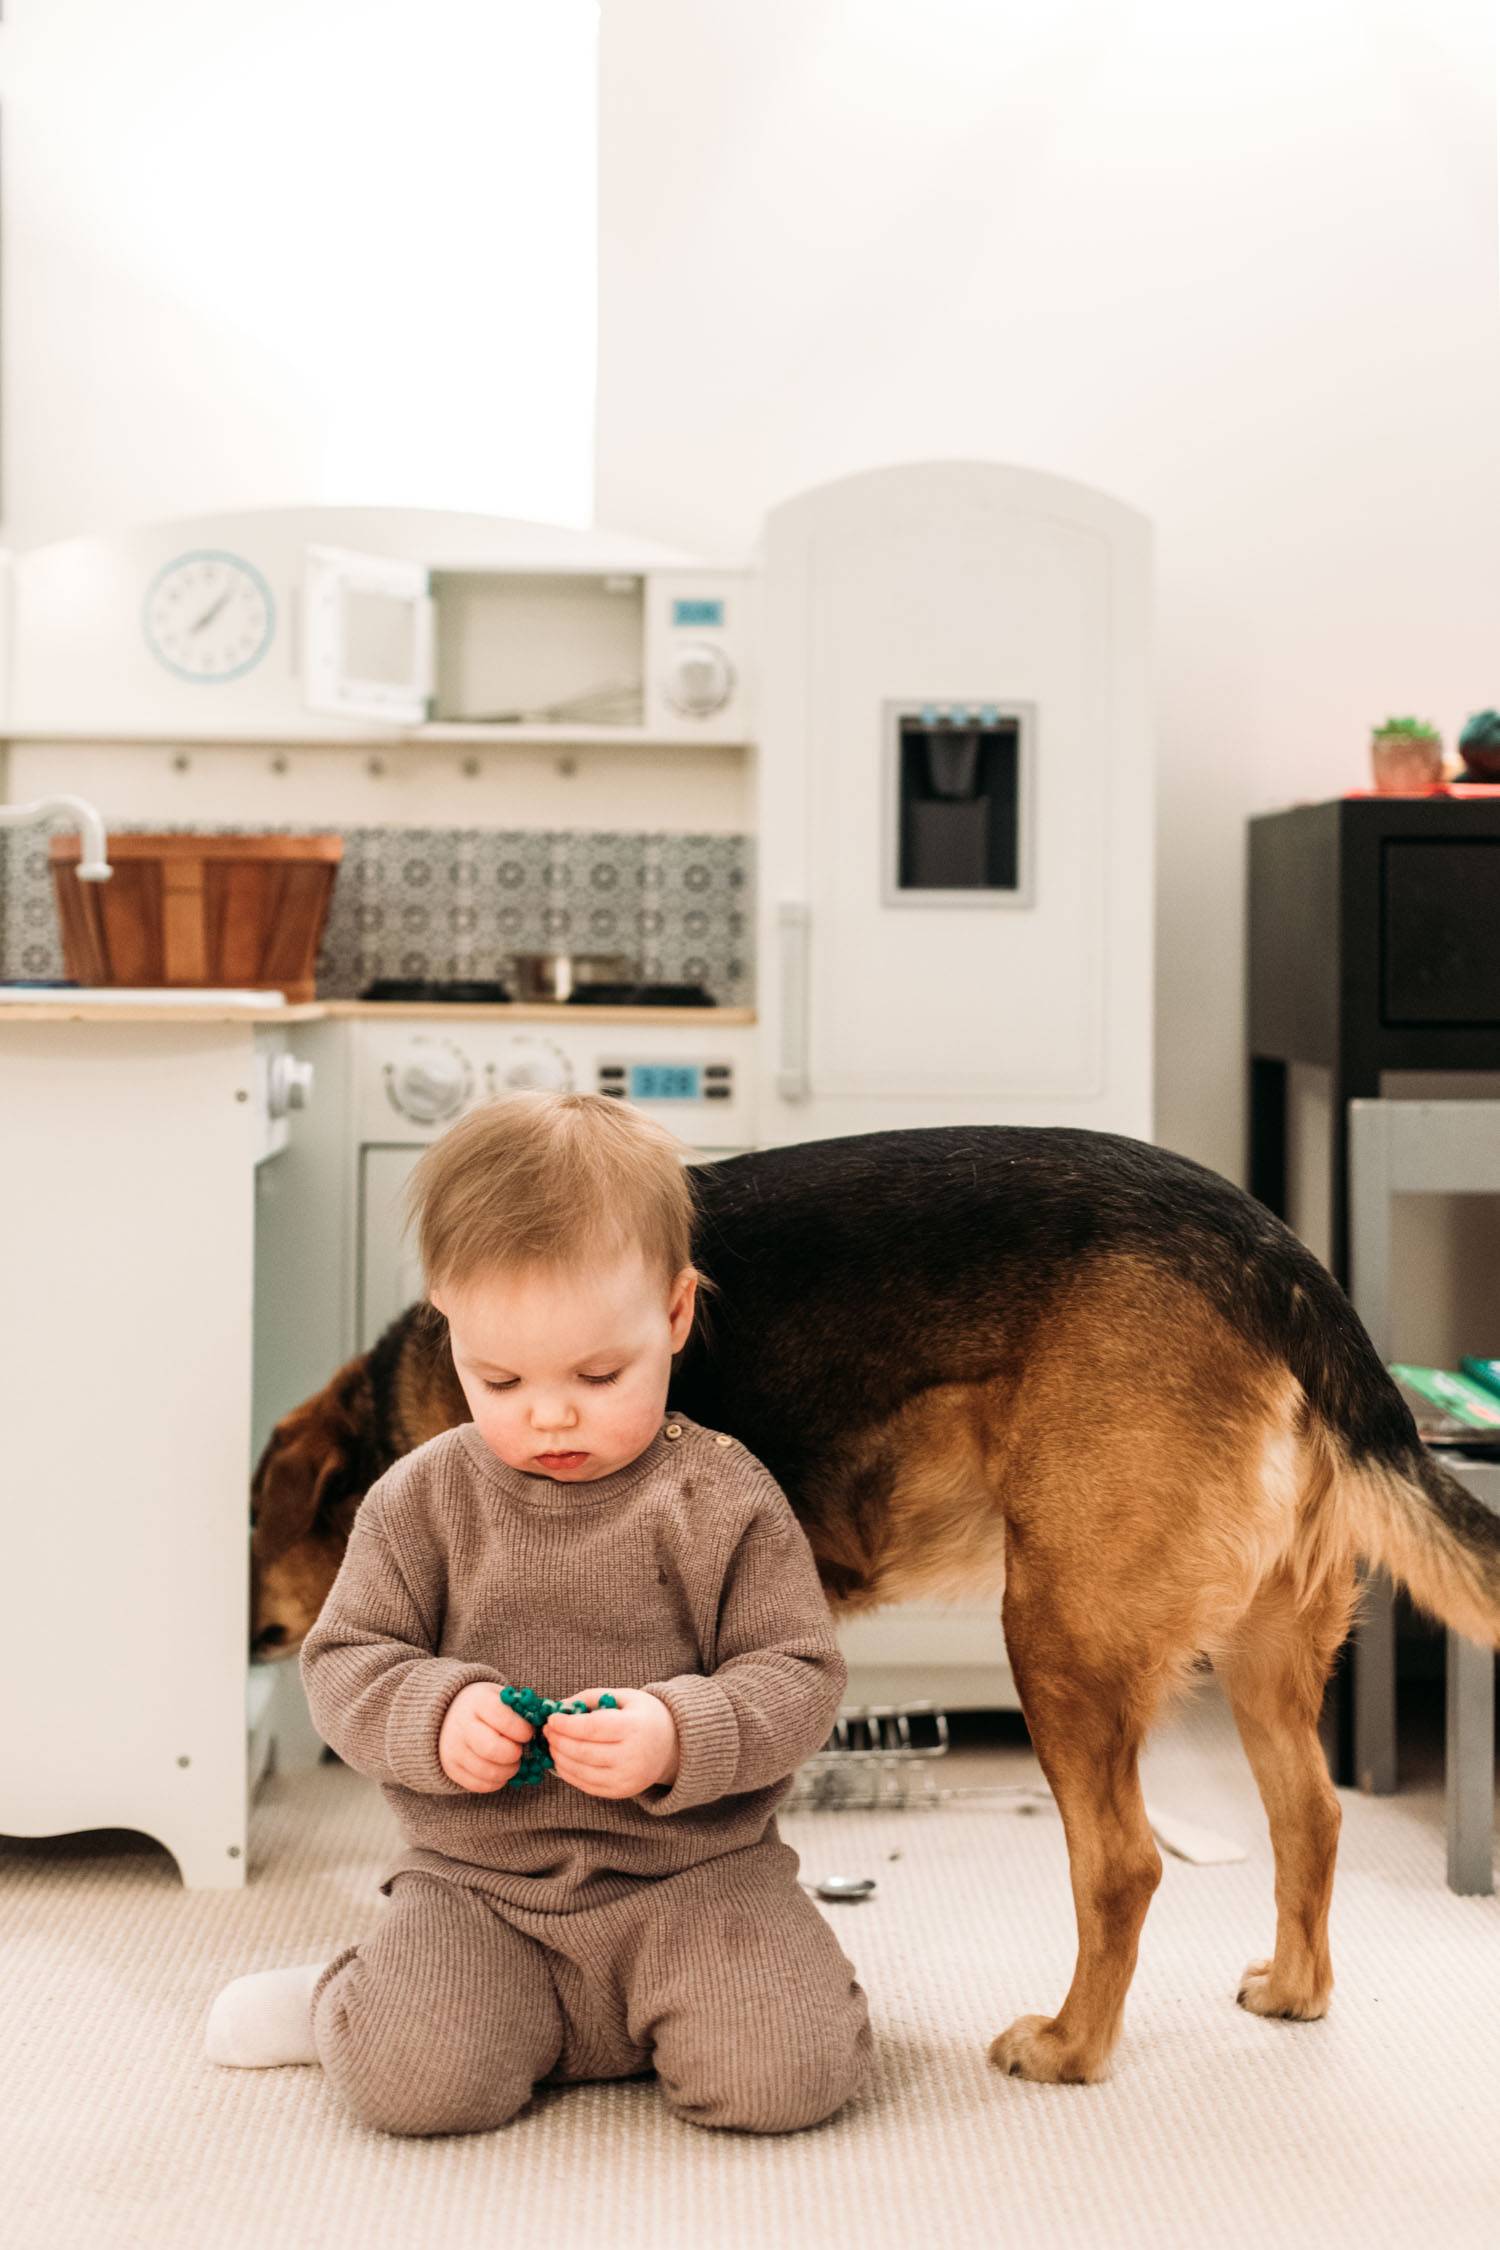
1426 1529
1386 1497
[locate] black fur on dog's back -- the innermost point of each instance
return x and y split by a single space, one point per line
934 1253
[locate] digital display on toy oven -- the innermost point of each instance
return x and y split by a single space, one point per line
665 1082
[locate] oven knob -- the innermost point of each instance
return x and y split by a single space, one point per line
699 680
529 1064
288 1085
430 1081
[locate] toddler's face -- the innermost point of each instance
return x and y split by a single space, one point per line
566 1373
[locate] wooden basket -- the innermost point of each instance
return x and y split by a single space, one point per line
239 911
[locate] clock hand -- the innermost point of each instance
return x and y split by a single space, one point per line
210 614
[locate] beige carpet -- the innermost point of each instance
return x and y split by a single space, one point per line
1379 2126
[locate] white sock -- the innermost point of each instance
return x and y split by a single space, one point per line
259 2021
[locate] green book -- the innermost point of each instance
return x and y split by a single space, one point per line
1456 1394
1485 1372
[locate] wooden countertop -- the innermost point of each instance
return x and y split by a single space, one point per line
319 1011
110 1011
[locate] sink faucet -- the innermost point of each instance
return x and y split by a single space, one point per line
93 867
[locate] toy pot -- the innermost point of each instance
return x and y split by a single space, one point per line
1405 762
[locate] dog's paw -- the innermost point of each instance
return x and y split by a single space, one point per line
1263 1996
1032 2049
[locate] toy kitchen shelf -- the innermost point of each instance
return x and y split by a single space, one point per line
330 625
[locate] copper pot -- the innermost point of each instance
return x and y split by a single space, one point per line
557 976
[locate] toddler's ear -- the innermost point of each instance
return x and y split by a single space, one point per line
680 1308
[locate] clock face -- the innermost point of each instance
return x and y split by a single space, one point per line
209 616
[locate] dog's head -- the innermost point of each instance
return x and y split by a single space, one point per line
317 1466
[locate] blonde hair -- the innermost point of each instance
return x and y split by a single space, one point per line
551 1181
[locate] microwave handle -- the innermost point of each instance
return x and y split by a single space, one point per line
793 930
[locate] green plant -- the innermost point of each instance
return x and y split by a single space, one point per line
1411 730
1482 730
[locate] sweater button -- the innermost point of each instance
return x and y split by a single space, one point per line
673 1429
721 1439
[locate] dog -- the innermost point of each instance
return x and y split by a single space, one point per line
1072 1368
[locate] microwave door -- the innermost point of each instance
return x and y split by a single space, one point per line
367 637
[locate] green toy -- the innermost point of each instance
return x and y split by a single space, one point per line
536 1710
1480 744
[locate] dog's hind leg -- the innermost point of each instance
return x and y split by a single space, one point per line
1086 1728
1274 1674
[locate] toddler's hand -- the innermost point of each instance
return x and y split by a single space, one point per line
481 1739
614 1753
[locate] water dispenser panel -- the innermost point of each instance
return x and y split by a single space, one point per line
957 780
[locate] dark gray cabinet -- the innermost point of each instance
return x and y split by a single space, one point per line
1374 945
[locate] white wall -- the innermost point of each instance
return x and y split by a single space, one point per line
324 251
1236 266
300 250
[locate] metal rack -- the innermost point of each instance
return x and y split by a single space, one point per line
877 1758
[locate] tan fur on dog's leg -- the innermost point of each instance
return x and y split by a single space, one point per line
1274 1675
1086 1731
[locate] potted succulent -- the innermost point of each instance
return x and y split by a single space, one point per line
1479 745
1406 754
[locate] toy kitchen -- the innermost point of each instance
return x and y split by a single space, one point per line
853 833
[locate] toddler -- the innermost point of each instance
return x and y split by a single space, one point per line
636 1909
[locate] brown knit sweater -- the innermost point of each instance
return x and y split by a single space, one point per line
684 1573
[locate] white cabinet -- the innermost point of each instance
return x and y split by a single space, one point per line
133 1149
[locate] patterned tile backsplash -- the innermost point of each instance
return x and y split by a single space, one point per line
452 902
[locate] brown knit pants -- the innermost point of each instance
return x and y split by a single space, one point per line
726 1978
